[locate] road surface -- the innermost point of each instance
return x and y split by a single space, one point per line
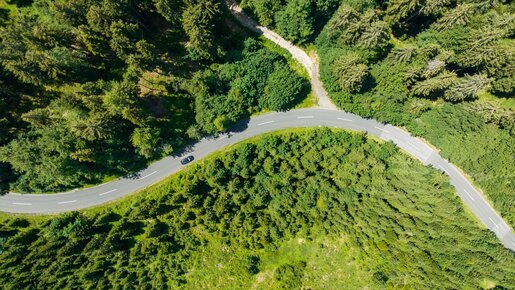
75 200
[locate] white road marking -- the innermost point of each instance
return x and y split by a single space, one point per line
222 137
468 194
493 222
305 117
264 123
65 202
107 192
22 203
386 131
342 119
412 144
148 175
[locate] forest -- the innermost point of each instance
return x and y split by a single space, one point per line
310 208
94 89
445 70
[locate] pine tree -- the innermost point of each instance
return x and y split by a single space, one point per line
400 9
403 54
437 83
351 71
198 23
457 16
467 87
375 36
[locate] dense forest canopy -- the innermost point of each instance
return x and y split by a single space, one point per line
316 208
94 88
443 69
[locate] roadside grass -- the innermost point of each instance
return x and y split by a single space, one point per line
310 101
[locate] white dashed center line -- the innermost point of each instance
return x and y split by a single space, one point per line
264 123
65 202
468 194
305 117
412 144
443 169
107 192
22 203
381 129
493 222
148 175
342 119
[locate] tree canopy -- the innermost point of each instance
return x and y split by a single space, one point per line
411 62
112 81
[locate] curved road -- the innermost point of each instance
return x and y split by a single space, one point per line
74 200
328 116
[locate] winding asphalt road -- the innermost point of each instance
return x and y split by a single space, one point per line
74 200
326 115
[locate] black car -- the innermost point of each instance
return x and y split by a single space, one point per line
187 160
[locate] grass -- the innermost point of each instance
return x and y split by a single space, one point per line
294 65
330 265
500 102
309 102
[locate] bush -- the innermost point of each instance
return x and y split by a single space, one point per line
289 276
283 89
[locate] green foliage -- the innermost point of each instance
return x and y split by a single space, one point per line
42 158
437 84
252 264
289 276
259 79
167 8
288 210
432 65
283 88
350 71
400 9
367 31
467 88
295 22
488 152
118 80
265 10
145 140
198 19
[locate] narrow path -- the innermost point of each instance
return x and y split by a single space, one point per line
324 102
